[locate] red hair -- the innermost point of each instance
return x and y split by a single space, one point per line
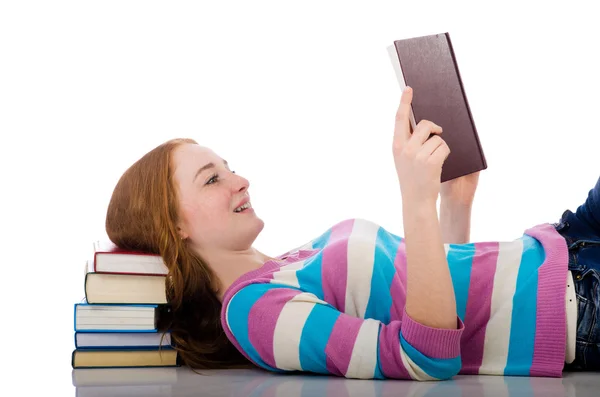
143 214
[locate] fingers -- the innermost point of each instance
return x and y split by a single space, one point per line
421 134
440 153
435 150
402 130
431 145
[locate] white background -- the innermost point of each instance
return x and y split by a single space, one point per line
299 97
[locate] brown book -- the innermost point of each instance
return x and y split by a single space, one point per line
428 65
113 358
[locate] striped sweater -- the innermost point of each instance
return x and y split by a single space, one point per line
337 306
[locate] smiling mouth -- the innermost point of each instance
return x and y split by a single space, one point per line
244 208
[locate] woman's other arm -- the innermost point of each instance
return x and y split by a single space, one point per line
455 221
455 208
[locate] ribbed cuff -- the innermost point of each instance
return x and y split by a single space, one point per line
432 342
551 316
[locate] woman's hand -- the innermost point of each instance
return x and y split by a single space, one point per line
460 191
417 156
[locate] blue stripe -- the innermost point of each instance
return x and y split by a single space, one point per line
460 263
523 318
439 368
310 277
380 298
322 241
238 314
314 338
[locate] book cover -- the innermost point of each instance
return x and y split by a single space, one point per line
120 340
110 288
124 358
428 64
109 258
121 318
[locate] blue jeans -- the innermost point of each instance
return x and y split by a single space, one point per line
582 232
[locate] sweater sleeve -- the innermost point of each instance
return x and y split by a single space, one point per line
285 329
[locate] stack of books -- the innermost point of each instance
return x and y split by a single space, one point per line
124 319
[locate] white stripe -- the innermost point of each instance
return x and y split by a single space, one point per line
307 246
497 333
364 353
413 369
287 274
227 310
288 330
361 254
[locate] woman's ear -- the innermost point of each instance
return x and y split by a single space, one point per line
182 234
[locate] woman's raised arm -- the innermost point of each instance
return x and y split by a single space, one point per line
418 157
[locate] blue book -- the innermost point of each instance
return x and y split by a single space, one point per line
121 340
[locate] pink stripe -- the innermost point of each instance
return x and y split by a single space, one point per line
389 355
341 343
334 267
550 326
398 287
264 314
479 302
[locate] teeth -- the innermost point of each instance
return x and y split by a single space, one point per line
243 207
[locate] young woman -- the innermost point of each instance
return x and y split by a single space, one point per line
358 301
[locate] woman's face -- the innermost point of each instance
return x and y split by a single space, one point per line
209 192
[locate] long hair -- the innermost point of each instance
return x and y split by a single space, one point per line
142 215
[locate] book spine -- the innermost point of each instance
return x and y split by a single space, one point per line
85 288
154 305
75 318
462 88
394 54
178 362
169 346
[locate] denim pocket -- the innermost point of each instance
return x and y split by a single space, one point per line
586 318
583 243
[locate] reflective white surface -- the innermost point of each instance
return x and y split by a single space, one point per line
151 382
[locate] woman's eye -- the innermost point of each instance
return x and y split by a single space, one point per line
215 177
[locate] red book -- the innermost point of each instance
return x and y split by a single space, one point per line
108 258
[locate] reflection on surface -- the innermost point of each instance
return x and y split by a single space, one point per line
182 381
117 382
